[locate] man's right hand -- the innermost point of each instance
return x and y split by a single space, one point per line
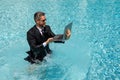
49 40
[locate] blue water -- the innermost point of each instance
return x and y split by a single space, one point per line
92 53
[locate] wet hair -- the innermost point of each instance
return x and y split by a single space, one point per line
37 15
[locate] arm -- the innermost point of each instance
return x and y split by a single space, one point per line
51 34
48 30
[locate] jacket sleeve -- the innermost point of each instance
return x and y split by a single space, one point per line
32 41
50 32
52 35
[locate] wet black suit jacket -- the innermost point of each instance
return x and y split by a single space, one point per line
36 40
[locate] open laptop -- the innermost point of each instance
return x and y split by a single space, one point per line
62 37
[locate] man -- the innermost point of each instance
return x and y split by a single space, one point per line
39 37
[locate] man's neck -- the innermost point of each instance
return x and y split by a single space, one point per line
38 26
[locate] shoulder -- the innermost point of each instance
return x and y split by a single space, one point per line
47 26
32 30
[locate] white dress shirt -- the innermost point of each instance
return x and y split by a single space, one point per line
40 30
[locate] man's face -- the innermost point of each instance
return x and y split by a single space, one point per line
41 21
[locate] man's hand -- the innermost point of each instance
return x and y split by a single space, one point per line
49 40
68 34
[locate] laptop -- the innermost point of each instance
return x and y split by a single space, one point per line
63 37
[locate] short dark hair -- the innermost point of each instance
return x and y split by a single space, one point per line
37 15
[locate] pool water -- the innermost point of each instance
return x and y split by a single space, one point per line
92 52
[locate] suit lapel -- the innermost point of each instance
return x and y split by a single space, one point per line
38 34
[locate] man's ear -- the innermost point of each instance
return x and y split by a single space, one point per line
37 20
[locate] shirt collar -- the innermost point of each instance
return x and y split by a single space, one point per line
38 27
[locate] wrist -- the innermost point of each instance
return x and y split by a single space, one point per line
44 44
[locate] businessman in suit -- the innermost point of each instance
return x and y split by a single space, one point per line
39 37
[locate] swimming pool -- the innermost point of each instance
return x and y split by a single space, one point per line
92 53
